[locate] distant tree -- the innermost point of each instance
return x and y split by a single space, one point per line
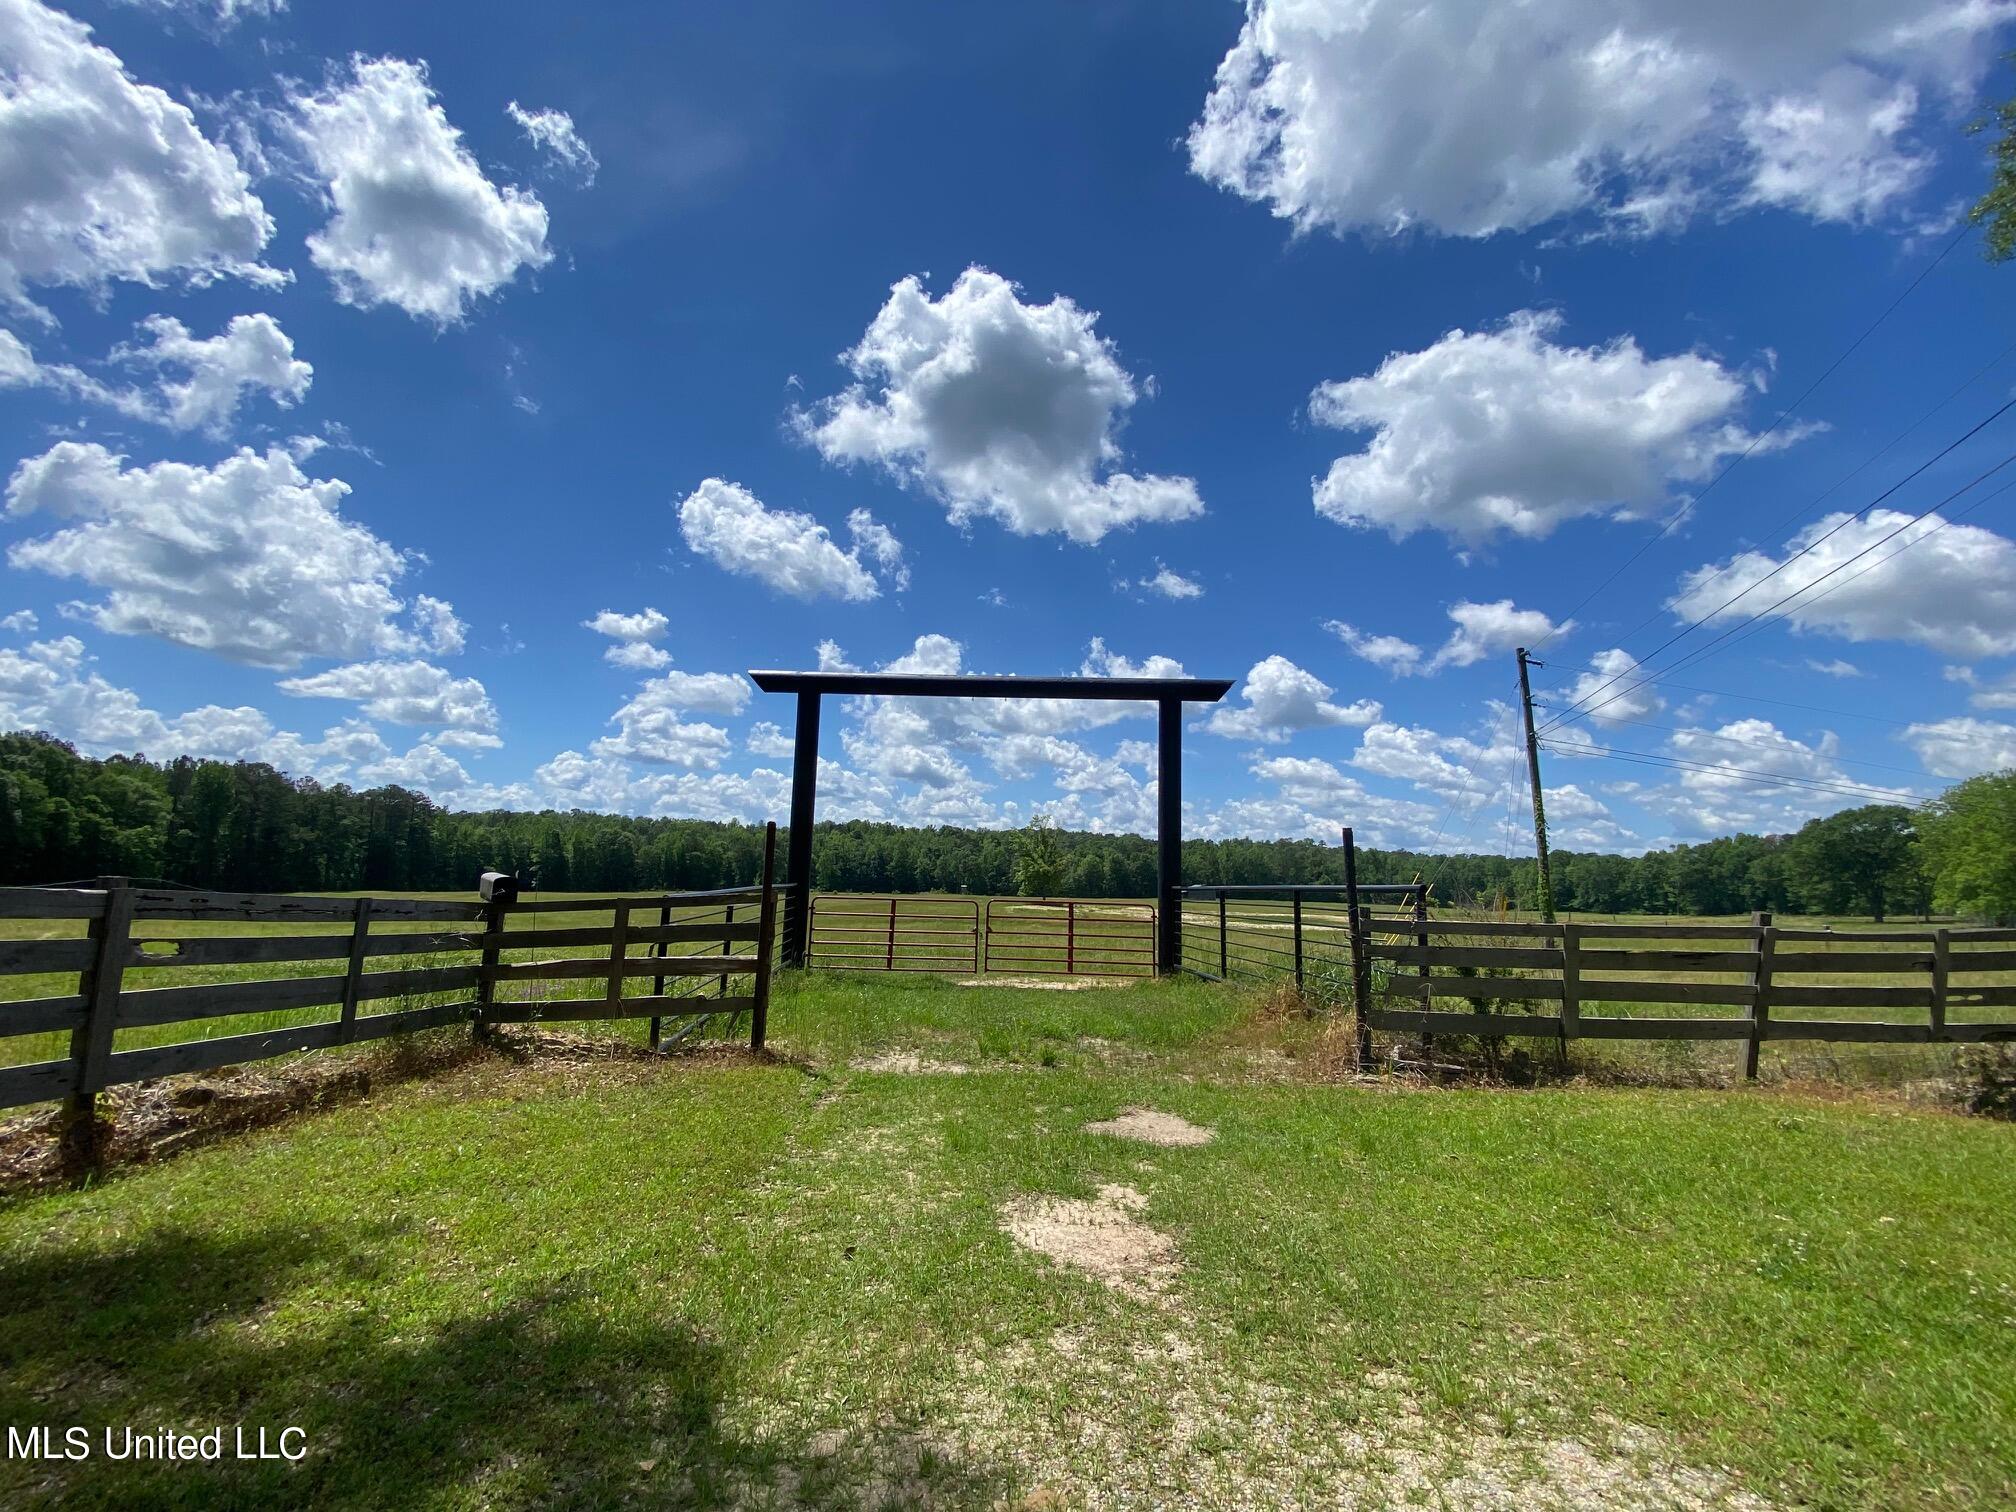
1970 848
1039 860
1861 860
1996 209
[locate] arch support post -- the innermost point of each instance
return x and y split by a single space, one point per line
1169 836
804 802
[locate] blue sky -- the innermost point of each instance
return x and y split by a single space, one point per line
360 361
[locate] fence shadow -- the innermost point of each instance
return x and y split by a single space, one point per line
543 1400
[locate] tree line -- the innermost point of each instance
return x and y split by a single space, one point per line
244 825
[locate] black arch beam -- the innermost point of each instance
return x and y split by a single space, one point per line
1168 693
987 685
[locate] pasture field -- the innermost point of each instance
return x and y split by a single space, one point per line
909 1260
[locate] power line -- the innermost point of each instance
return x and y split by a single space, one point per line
1952 519
1848 477
1692 625
1701 652
1757 698
1754 745
1748 774
1758 440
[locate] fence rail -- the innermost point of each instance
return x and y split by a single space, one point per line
1569 966
1404 970
688 947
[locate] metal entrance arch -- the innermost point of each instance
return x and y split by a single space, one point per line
1168 694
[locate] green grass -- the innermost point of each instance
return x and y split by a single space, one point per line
722 1282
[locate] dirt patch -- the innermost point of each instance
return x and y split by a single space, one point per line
1046 984
1151 1127
1067 1411
1102 1238
910 1063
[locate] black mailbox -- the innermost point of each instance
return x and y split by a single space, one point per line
497 887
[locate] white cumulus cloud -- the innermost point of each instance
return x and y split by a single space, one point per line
404 692
999 408
1171 584
1481 630
1469 117
1280 699
109 179
1507 431
789 551
1963 746
1948 587
201 382
413 221
552 131
251 558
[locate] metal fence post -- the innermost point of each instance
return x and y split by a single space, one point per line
1298 940
1361 972
1224 974
766 919
1421 942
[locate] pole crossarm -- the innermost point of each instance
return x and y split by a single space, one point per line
1168 694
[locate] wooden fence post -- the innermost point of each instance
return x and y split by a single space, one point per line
1224 975
494 915
1760 1001
91 1040
766 918
1361 964
889 958
1942 970
1571 984
619 952
353 976
658 983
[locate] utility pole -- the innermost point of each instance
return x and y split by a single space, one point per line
1539 803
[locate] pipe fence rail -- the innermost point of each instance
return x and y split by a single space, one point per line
116 970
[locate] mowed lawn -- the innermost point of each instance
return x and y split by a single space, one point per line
557 1279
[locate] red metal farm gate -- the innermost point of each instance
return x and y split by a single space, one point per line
1017 936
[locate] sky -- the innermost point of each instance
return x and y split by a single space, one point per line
467 397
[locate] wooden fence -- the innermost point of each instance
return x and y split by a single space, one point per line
689 943
1772 974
